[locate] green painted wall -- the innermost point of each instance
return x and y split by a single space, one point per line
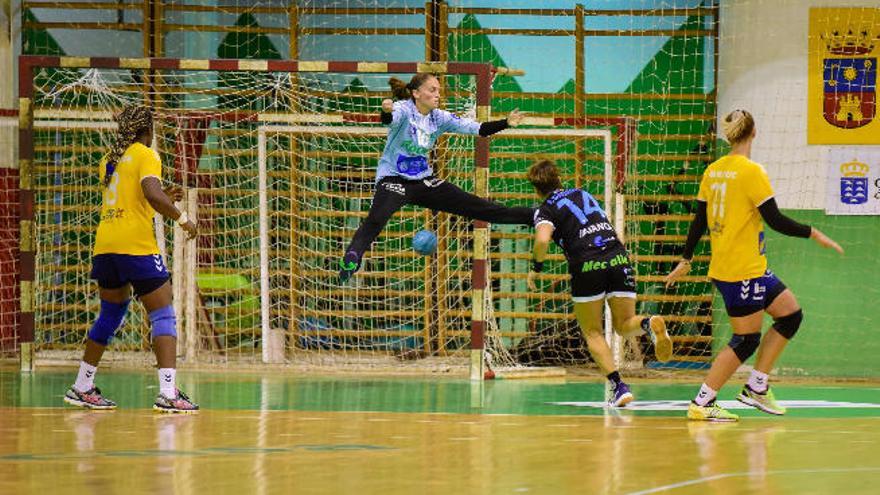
839 336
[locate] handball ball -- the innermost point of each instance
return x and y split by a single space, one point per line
425 242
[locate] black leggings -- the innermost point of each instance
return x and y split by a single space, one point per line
392 193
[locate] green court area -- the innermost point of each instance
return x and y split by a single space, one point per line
278 433
280 391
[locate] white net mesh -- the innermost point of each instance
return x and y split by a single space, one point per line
318 185
668 67
217 133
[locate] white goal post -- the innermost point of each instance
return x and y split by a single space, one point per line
613 201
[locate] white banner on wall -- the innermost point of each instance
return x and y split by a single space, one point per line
853 184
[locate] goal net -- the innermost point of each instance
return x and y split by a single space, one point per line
278 163
438 296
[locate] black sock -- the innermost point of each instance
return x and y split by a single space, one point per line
614 378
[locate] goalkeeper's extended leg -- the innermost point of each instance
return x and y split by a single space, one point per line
390 196
440 195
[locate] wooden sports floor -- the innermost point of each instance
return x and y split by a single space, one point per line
277 433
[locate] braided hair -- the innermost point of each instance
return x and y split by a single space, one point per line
133 121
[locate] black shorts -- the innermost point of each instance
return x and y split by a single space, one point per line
598 279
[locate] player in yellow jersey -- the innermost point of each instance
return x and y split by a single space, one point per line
126 258
734 197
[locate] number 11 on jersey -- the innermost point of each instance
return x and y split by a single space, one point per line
719 196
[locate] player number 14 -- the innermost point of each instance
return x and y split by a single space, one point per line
590 206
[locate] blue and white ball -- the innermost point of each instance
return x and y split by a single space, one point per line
424 242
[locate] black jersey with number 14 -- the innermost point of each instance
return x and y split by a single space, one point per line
581 227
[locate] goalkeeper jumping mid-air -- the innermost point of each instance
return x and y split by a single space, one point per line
405 175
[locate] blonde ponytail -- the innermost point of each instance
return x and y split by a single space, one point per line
738 126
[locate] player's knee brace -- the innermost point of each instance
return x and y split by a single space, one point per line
744 345
163 322
109 320
787 326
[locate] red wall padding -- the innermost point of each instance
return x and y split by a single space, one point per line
9 230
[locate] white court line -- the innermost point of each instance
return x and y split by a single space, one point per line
706 479
682 405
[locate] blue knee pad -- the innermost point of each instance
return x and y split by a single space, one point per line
744 345
109 320
164 322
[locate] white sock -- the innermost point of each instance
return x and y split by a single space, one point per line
167 382
705 396
85 379
758 381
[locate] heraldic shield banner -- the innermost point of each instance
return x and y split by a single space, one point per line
853 186
842 97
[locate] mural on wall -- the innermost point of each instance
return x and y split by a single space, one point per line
844 46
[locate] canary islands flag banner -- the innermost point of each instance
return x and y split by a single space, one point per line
853 186
844 48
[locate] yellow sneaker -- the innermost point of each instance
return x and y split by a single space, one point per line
711 412
765 402
662 342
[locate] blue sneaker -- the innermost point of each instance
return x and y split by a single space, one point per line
622 396
349 264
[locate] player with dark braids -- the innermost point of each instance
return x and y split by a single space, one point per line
405 175
126 258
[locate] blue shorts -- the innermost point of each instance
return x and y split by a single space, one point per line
750 296
145 273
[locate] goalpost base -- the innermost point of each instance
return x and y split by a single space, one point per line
522 373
